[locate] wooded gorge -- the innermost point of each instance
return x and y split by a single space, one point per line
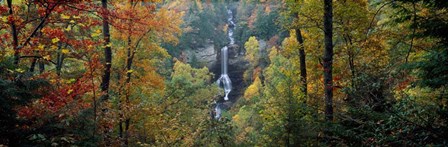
159 72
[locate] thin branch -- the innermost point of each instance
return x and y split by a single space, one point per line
413 32
374 16
38 57
41 24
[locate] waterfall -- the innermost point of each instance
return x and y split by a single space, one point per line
217 111
231 25
224 81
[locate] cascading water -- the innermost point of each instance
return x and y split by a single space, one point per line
231 25
217 111
224 81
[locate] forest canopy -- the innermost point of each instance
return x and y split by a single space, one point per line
158 72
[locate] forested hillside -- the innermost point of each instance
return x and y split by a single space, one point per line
223 73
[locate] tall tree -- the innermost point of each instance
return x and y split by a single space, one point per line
301 58
293 11
105 80
107 53
328 59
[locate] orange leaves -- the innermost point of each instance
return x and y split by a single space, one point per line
132 20
153 79
252 19
170 21
136 21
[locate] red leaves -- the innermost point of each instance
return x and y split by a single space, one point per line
3 9
403 84
337 78
67 95
41 11
54 33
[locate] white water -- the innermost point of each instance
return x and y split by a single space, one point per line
217 111
224 81
231 25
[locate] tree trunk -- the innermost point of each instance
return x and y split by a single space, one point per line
302 58
107 54
105 80
60 61
328 59
130 58
14 35
41 66
33 65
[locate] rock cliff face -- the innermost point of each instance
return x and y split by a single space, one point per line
205 56
236 68
211 58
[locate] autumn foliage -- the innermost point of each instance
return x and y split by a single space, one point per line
142 73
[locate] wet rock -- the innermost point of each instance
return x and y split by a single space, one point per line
233 50
205 56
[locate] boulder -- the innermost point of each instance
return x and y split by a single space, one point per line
233 50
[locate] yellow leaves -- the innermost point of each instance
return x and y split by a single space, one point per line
199 4
225 28
65 16
71 81
4 19
252 48
96 33
76 17
54 47
249 129
130 71
70 91
65 51
68 28
170 29
19 70
107 45
253 90
41 47
55 40
47 57
267 9
273 53
187 29
72 21
90 47
290 45
236 118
